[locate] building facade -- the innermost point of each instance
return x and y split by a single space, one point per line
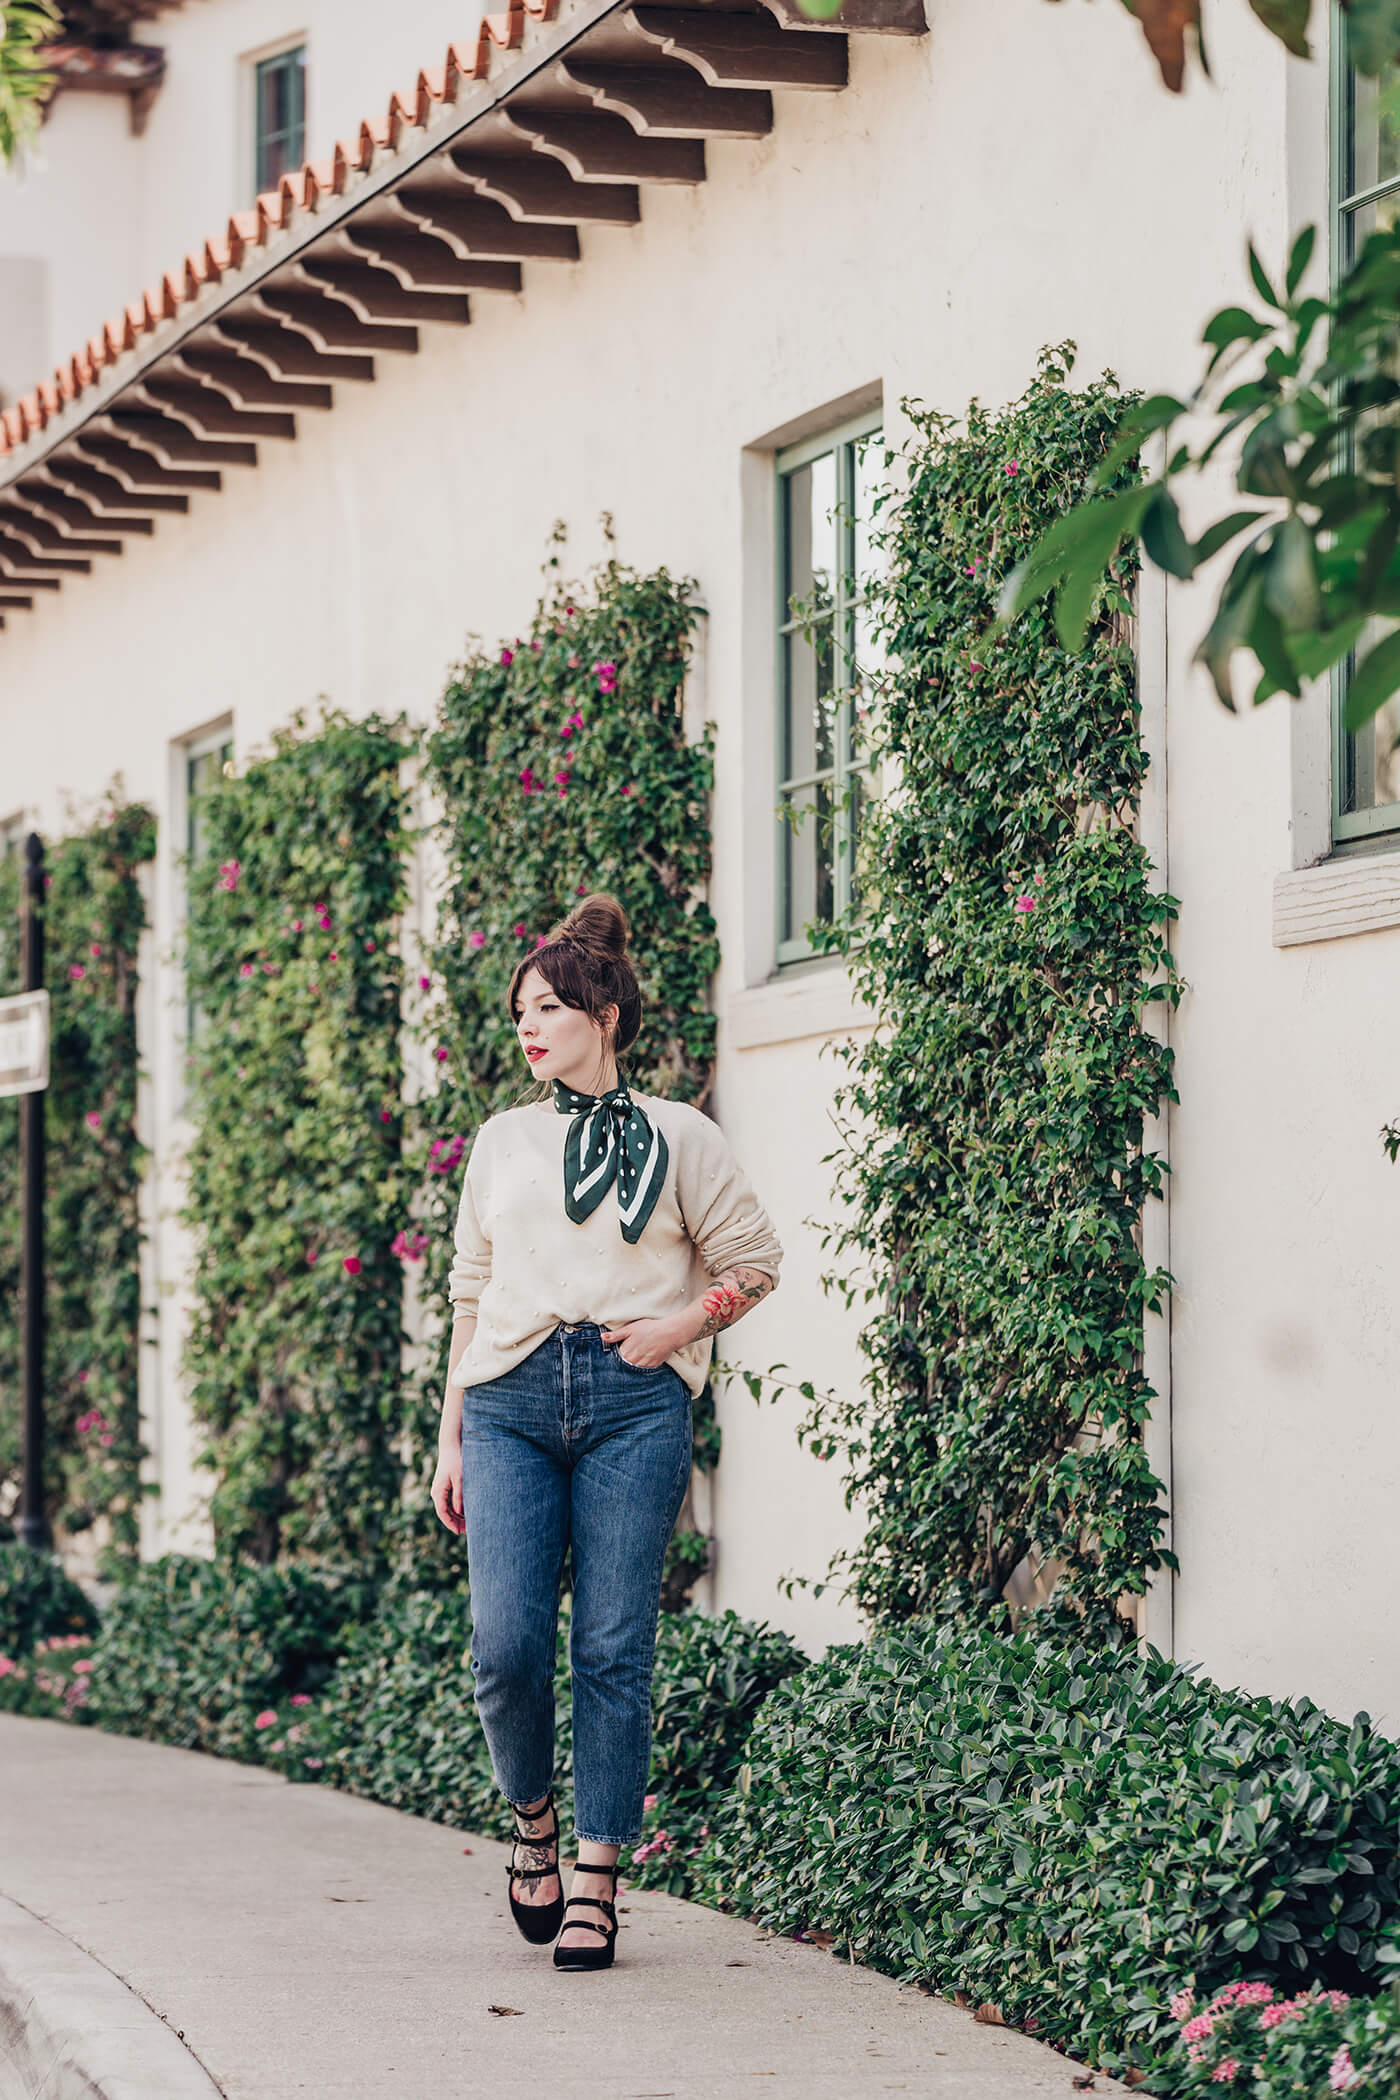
784 233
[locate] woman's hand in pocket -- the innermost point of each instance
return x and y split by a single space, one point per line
643 1343
447 1489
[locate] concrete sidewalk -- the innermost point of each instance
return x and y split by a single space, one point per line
305 1945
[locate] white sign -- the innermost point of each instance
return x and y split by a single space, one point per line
24 1043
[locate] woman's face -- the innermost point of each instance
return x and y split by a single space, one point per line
559 1041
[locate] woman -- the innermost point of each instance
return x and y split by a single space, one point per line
603 1237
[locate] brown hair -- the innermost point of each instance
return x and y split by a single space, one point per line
586 964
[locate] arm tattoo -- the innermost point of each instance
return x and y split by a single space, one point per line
738 1291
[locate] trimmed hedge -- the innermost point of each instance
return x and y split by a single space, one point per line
192 1650
37 1600
1065 1832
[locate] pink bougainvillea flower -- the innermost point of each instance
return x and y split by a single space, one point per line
974 666
1196 2030
626 790
648 1801
83 1377
561 779
1224 2073
410 1246
351 1264
477 939
441 1053
1024 904
425 984
541 940
296 926
1013 466
301 1699
507 657
385 1116
93 1119
537 646
1342 2073
582 890
369 947
573 663
311 1257
313 1764
607 677
269 969
568 612
245 970
567 731
96 948
229 872
333 957
82 1666
75 971
8 1665
107 1437
527 780
518 930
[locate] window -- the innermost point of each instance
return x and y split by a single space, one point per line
279 117
1366 195
825 488
205 763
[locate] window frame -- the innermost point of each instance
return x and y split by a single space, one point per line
841 440
1349 828
293 48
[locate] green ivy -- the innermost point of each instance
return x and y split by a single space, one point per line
297 1190
562 765
94 915
992 1161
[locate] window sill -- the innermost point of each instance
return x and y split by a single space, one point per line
790 1008
1336 898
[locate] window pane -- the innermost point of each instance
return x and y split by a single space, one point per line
867 459
280 94
811 536
1371 756
808 851
1358 225
1373 136
808 741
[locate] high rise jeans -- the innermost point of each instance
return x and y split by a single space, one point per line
573 1450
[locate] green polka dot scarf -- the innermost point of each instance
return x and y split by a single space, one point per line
611 1139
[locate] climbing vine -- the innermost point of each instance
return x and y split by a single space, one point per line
297 1191
94 915
562 765
993 1167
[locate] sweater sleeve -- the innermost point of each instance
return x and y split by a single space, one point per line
471 1263
727 1223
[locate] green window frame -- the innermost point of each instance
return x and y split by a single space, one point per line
1365 191
821 779
279 117
205 765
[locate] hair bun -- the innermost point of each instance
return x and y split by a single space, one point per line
599 923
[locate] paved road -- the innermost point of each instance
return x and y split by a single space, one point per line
310 1946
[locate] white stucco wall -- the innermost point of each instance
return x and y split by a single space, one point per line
1016 178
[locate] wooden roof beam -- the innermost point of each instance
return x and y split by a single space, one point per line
206 410
383 235
602 148
102 491
327 320
18 558
670 100
477 227
71 514
376 294
42 537
284 349
173 442
247 383
737 51
15 603
137 468
534 186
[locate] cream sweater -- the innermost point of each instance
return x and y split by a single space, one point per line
523 1267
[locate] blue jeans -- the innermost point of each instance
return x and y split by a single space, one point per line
574 1449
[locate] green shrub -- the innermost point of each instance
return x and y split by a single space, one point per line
397 1722
38 1600
1064 1831
191 1651
52 1682
1248 2039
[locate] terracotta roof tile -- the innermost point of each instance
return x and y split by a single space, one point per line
272 214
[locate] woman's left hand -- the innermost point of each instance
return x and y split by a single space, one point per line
643 1343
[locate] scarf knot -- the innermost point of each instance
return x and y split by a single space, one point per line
610 1140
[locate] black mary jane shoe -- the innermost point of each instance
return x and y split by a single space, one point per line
591 1957
537 1922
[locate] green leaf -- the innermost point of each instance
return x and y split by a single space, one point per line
1288 19
1223 531
1301 253
1374 680
1291 564
1373 34
1267 639
1234 617
1152 415
1163 540
1075 552
1261 281
1233 324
